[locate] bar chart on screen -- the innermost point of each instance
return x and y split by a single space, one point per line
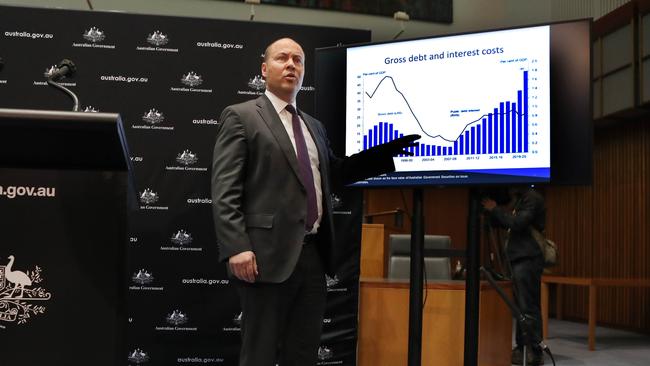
480 101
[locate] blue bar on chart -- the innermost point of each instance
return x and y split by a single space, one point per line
502 146
461 145
525 111
478 139
508 130
504 130
495 126
484 136
374 136
520 122
472 139
490 129
513 127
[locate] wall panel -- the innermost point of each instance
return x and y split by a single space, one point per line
602 230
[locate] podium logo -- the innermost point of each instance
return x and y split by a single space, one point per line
153 120
337 202
148 197
181 241
190 82
50 71
257 83
153 117
138 356
157 38
187 158
19 299
237 319
94 35
177 317
181 237
324 353
331 281
191 79
175 323
142 277
236 324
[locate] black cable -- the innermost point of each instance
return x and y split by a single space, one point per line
545 348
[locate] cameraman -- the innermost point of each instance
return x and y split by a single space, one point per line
526 209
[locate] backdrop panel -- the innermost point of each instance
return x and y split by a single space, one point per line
169 78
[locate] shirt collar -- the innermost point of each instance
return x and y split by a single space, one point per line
278 103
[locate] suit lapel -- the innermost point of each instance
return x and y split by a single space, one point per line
273 122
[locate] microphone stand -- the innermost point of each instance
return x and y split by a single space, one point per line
67 91
523 320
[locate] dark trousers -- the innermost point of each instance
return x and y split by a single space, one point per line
527 278
282 322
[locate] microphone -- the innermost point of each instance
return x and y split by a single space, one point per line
65 68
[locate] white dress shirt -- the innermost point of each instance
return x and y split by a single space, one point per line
285 117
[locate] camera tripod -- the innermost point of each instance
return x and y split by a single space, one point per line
524 321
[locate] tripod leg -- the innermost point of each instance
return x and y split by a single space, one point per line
525 363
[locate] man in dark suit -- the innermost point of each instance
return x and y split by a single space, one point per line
526 262
272 177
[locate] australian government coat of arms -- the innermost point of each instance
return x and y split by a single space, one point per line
21 296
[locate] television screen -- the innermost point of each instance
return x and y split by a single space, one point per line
480 101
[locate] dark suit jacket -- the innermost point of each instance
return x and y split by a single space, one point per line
258 198
529 211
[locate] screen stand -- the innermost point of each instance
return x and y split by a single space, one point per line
416 284
472 255
472 281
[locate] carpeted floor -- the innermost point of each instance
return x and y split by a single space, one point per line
569 345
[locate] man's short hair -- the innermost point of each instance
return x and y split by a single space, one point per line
265 55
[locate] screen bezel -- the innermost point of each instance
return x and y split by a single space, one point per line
331 74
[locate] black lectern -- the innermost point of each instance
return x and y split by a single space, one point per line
64 179
62 140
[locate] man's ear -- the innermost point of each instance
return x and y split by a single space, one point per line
264 69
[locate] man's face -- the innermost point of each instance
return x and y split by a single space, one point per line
284 69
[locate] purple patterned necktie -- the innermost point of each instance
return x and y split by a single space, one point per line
305 167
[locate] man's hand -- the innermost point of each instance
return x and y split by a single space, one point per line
489 204
397 146
244 266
